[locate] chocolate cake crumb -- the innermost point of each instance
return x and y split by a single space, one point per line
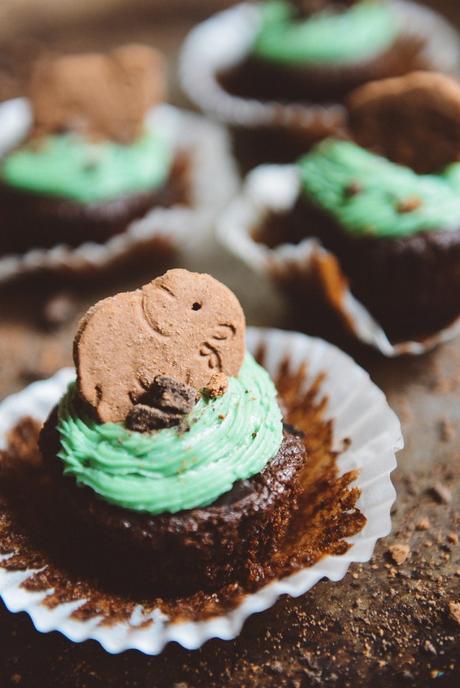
441 493
353 189
408 205
446 430
423 524
399 553
454 611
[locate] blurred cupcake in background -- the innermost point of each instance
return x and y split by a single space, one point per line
95 155
373 222
278 71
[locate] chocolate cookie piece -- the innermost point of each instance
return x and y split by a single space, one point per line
184 325
101 96
413 120
164 405
37 221
233 539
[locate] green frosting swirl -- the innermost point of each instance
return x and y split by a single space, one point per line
364 30
230 438
369 195
72 167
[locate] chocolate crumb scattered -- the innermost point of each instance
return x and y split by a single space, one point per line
423 524
218 386
399 553
353 189
454 611
429 648
446 430
441 493
408 205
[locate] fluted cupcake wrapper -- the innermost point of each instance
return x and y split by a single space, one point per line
225 39
360 414
174 229
275 188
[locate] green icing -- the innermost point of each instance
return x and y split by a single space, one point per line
72 167
369 195
364 30
230 438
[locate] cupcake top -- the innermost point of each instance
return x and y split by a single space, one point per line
324 32
412 119
89 141
369 195
168 410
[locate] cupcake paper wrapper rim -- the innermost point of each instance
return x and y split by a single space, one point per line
180 225
276 188
223 40
360 412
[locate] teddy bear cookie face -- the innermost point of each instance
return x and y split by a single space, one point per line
100 96
183 325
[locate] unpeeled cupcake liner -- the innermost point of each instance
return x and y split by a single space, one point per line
213 182
275 188
224 40
359 411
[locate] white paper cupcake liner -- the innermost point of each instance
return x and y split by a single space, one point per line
225 39
359 411
213 180
276 188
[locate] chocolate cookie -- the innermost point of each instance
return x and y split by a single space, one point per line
413 120
184 325
100 96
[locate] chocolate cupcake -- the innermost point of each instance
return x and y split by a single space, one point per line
89 165
169 452
395 229
280 75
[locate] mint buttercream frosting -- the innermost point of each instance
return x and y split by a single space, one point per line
229 438
72 167
369 195
360 32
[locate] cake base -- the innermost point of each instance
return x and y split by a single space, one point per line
410 285
233 539
40 221
318 83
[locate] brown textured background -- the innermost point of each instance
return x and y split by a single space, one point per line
384 625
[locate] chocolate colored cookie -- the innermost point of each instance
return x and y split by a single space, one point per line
231 540
100 96
184 325
413 120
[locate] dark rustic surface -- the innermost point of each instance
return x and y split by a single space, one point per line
385 624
